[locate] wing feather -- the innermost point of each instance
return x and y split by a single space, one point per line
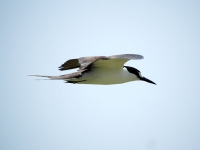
115 61
87 61
127 56
70 64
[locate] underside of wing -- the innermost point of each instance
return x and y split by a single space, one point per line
87 62
115 61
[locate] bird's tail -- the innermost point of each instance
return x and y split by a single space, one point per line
50 77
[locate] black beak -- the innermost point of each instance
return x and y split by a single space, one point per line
147 80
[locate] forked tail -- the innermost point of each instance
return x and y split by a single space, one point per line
50 77
62 77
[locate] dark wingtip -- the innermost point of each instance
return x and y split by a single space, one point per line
60 68
69 64
63 68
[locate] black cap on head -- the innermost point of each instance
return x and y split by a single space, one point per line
138 74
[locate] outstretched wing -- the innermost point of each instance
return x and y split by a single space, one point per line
127 56
70 64
80 63
115 61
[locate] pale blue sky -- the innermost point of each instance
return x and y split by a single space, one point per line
37 37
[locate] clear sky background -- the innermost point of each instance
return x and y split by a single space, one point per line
38 36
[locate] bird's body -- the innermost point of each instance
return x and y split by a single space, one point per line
100 70
105 77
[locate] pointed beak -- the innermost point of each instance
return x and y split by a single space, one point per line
147 80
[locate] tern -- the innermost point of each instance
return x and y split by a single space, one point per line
100 70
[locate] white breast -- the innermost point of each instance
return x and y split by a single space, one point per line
107 77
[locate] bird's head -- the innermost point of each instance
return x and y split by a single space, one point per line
138 74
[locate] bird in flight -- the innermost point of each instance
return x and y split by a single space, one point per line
100 70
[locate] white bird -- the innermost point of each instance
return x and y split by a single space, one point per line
100 70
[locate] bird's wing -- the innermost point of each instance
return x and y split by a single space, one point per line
115 61
88 61
70 64
127 56
80 63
